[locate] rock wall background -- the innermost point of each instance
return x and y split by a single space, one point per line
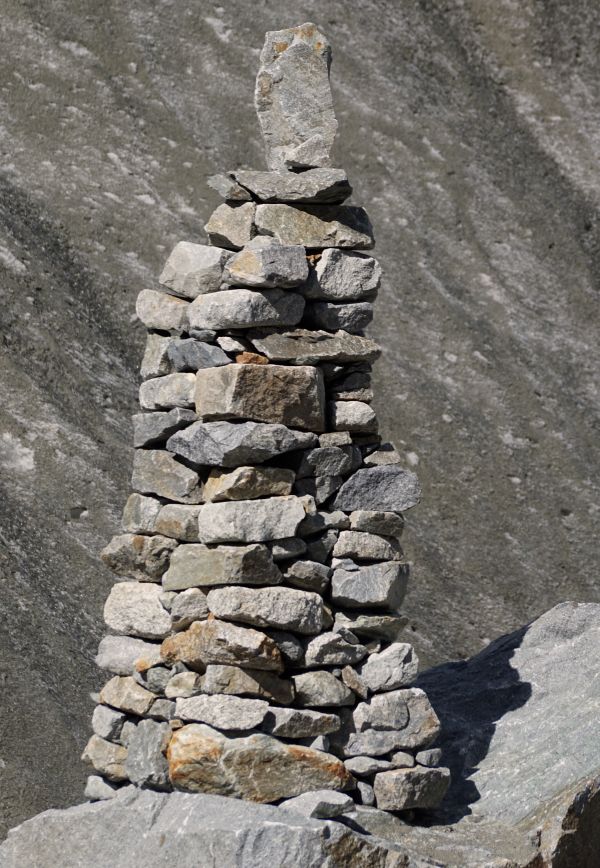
469 133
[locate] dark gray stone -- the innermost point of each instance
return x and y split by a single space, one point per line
146 764
191 355
388 488
150 429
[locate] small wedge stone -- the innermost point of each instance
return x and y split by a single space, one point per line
354 416
299 723
140 514
308 575
320 804
385 523
330 649
106 757
189 354
189 606
361 546
139 557
353 317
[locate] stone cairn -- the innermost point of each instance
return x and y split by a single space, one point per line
254 628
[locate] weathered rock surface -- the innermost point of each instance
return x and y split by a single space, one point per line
164 393
146 763
190 354
293 98
343 276
243 308
264 263
252 520
203 760
313 185
178 520
138 557
379 488
119 654
304 347
281 608
198 566
150 429
231 680
246 483
135 609
193 269
378 585
299 723
321 804
231 226
316 226
403 789
214 641
157 472
280 394
157 310
394 667
224 712
229 445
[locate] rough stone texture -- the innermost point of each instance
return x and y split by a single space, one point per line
299 723
313 185
305 347
280 394
349 317
157 472
135 609
134 556
372 626
140 514
150 429
282 608
369 521
229 445
119 654
343 276
362 546
97 788
308 575
157 310
231 226
193 269
199 566
243 308
107 723
106 757
513 58
321 689
203 760
265 263
376 585
179 521
246 483
321 804
146 763
164 393
224 712
403 789
187 607
124 693
331 649
252 520
214 641
247 682
394 667
145 829
155 362
354 416
316 226
380 489
293 98
190 354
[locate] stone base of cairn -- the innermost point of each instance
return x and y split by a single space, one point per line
253 644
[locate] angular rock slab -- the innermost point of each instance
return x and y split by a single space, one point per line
384 488
280 394
246 483
245 308
231 680
304 347
329 186
135 609
293 98
403 789
225 444
157 472
121 654
266 264
281 608
343 276
316 226
150 429
137 556
214 641
164 393
198 566
146 829
395 666
258 768
231 225
322 804
193 269
224 712
299 723
252 520
157 310
380 585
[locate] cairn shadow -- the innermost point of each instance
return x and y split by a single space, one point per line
470 697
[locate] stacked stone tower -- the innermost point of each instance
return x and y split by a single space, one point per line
254 626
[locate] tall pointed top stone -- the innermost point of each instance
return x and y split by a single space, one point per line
293 98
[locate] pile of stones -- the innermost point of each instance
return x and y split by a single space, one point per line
254 624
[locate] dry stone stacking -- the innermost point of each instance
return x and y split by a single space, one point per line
254 645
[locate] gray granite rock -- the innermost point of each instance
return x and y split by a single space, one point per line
140 514
245 308
362 546
97 789
201 566
320 689
252 520
158 472
394 667
157 310
188 354
119 654
299 723
404 789
328 186
430 758
378 585
316 226
354 416
281 394
184 685
386 627
352 679
135 609
232 680
107 722
319 548
151 429
290 646
308 575
293 98
279 607
193 269
266 264
307 347
385 523
106 758
353 317
179 521
214 641
228 188
139 557
324 520
331 649
342 276
366 765
222 711
324 461
408 713
320 488
125 694
385 455
155 362
366 793
384 488
187 607
172 390
229 445
322 804
231 225
402 759
146 764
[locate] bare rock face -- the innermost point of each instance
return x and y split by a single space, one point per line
214 641
202 760
293 98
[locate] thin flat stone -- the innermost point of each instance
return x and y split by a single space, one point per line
200 566
362 546
252 520
223 712
304 347
299 723
323 185
232 680
316 226
372 521
321 804
246 483
246 308
227 187
278 607
189 354
120 654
